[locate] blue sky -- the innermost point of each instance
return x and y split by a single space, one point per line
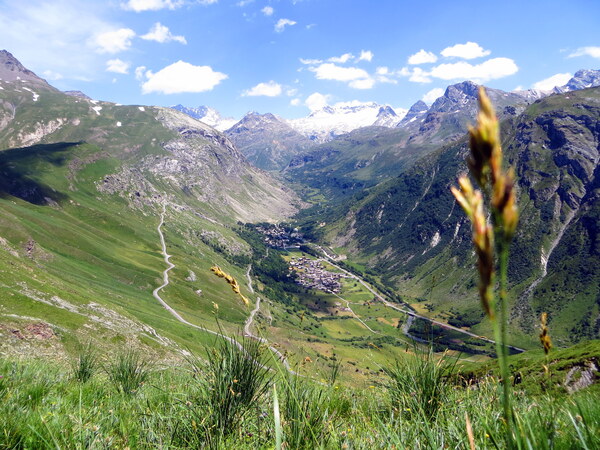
291 56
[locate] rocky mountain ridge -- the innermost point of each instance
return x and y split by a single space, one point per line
267 141
409 229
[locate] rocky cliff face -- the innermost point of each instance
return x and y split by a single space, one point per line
267 141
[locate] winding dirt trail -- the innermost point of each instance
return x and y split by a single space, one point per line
250 288
166 282
175 314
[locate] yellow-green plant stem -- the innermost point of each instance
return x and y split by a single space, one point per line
503 348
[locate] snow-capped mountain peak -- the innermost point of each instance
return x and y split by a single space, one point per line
340 118
207 115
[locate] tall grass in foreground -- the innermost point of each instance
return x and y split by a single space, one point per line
42 406
86 363
418 386
128 371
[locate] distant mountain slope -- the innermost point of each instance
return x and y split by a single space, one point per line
83 184
267 141
410 231
209 116
368 156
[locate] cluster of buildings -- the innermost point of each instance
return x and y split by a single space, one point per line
278 237
312 274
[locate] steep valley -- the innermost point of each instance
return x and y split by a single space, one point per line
85 184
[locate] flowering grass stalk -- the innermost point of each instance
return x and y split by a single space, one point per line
485 165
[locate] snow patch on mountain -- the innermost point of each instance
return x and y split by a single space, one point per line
330 121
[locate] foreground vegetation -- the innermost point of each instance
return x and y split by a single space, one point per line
231 399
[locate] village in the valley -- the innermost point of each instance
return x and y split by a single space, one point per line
312 274
277 236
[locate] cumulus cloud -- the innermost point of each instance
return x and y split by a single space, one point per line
316 101
341 59
268 11
330 71
491 69
418 75
366 83
422 57
558 79
117 66
114 41
594 52
162 34
365 55
269 89
433 95
295 102
282 23
182 77
154 5
139 72
470 50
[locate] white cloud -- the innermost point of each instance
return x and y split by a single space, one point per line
162 34
182 77
558 79
55 36
330 71
269 89
470 50
433 95
341 59
594 52
268 10
117 66
140 71
291 92
365 55
382 71
282 23
488 70
366 83
418 75
152 5
311 61
295 102
422 57
317 101
243 3
114 41
51 75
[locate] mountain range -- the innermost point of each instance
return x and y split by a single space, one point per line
96 198
409 229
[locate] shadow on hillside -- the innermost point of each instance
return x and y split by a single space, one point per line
20 170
